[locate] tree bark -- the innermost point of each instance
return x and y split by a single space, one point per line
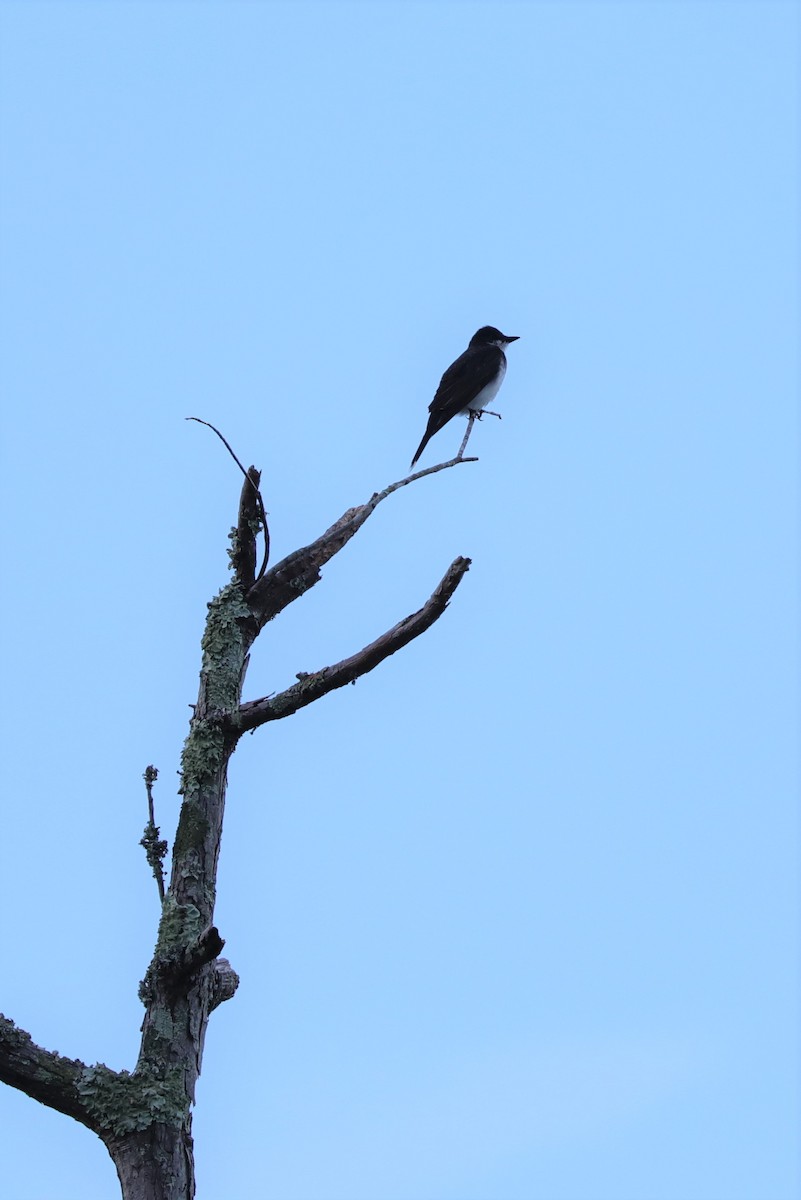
144 1117
155 1163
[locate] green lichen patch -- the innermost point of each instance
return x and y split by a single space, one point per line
122 1103
162 1025
253 525
223 645
235 549
203 754
179 927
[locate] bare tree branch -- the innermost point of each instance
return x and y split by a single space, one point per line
474 415
299 571
41 1074
155 847
243 550
311 687
470 420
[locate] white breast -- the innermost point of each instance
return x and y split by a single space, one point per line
488 393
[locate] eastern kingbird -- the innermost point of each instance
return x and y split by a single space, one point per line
469 383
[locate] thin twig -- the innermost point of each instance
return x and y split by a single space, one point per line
470 420
259 500
473 415
155 847
364 510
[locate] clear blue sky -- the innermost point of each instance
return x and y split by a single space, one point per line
515 917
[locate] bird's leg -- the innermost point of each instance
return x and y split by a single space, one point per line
470 419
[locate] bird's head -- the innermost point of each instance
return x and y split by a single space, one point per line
488 335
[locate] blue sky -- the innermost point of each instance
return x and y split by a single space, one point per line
515 917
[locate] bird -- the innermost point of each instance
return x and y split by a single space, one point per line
469 383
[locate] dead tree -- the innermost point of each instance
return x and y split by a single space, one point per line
144 1117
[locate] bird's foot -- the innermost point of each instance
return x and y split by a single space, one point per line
487 412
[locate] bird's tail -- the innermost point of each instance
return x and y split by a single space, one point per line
426 439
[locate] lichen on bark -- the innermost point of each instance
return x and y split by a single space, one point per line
121 1102
223 646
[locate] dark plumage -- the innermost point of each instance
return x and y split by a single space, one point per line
470 382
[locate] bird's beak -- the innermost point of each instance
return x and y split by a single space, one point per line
516 338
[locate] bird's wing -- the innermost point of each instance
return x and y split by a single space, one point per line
463 380
461 383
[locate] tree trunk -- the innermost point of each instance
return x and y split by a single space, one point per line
145 1117
184 981
155 1163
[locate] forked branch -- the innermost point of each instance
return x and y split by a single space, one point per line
311 687
299 571
144 1116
